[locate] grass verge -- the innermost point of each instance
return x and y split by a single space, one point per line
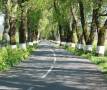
10 57
100 61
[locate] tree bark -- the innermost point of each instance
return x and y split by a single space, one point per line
76 28
12 32
23 27
73 31
60 32
5 37
95 25
68 32
89 42
35 33
101 39
13 20
83 21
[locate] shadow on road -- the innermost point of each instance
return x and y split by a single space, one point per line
69 73
61 78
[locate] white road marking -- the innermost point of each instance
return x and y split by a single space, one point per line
45 75
31 88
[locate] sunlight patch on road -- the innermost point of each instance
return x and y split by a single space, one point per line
8 88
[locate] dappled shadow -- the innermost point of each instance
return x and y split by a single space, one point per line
60 54
37 85
58 62
69 73
59 79
42 53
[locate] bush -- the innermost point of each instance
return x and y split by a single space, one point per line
99 60
10 57
3 57
103 67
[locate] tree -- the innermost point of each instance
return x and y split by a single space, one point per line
94 24
83 20
5 37
23 24
13 21
33 16
101 39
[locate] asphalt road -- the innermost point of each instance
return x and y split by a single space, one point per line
50 68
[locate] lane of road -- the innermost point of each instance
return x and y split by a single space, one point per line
50 68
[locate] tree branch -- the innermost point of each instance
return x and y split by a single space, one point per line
103 14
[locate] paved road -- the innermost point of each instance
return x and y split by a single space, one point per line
50 68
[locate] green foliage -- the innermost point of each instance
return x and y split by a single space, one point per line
103 67
3 57
33 19
10 57
99 60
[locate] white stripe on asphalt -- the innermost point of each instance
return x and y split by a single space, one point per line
45 75
30 88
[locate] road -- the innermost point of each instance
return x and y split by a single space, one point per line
51 68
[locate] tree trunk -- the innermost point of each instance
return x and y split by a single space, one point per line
35 33
30 33
30 37
12 32
73 31
5 37
83 21
94 25
23 28
101 39
38 36
60 33
13 20
76 28
57 36
68 32
89 42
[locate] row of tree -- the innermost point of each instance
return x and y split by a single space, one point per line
20 16
75 21
84 20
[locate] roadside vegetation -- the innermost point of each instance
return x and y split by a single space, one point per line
10 58
100 61
19 36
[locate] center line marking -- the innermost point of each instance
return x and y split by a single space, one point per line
30 88
45 75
